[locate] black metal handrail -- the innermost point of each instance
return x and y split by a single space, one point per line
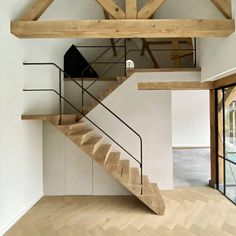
82 113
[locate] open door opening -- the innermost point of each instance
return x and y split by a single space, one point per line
191 137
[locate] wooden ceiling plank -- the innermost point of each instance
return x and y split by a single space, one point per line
149 8
36 10
224 6
131 9
156 28
112 8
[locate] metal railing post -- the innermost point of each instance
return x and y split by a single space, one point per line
60 99
195 53
125 49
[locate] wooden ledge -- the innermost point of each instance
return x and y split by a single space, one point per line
175 86
164 70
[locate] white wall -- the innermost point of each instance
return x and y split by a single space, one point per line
20 142
190 119
218 55
21 172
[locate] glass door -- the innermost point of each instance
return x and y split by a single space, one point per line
226 128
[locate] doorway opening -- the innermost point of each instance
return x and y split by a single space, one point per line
191 138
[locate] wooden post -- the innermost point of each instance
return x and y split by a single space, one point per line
213 137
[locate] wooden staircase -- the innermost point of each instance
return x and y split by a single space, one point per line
94 145
100 151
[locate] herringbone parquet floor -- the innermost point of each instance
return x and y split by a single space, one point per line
189 211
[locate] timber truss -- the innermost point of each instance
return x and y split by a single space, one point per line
120 23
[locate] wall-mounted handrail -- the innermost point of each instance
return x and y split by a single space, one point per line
82 113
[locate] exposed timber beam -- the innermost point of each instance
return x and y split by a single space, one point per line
131 9
224 6
107 16
175 45
228 80
36 10
112 8
146 46
156 28
175 85
149 8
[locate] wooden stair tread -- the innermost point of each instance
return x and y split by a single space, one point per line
113 159
91 145
72 126
93 140
82 131
101 154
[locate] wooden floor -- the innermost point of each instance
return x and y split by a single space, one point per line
189 211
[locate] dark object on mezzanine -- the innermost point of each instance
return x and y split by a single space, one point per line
76 65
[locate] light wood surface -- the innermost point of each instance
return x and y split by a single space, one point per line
131 9
148 28
149 8
224 6
112 8
36 10
189 212
175 86
147 47
231 79
213 137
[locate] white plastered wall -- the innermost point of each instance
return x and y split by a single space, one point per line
218 55
190 118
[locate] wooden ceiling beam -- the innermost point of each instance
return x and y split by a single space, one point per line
131 9
149 8
107 16
112 8
224 6
36 10
146 46
156 28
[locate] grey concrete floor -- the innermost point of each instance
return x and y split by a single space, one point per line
191 167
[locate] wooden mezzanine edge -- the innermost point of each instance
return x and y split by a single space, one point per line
195 85
175 85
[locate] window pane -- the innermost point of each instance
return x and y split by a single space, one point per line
230 181
230 123
221 174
